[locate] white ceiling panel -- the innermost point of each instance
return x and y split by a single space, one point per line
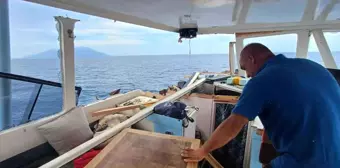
211 16
276 11
335 13
168 12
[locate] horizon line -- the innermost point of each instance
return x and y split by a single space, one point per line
29 57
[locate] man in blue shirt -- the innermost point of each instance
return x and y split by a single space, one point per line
298 102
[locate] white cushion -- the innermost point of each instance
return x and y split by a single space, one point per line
67 131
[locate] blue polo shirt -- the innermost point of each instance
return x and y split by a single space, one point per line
298 102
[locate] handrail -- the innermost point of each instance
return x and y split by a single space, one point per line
32 80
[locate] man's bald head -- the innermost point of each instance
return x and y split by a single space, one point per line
253 57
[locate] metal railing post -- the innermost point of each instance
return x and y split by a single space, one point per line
5 66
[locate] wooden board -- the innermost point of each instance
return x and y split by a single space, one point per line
224 98
154 95
217 98
213 162
142 149
119 109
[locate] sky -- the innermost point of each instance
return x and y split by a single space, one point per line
32 30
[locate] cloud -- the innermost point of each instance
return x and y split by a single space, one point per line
212 36
109 41
96 31
31 30
109 27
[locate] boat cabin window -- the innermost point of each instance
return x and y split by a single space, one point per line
24 99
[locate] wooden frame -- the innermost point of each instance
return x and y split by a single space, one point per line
247 147
195 143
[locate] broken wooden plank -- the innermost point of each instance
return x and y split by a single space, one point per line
220 98
119 109
225 98
213 162
153 95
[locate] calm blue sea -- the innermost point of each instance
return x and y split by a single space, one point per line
98 77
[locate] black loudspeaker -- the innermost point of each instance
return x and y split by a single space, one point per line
188 33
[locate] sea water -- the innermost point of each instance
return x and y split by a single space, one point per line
98 77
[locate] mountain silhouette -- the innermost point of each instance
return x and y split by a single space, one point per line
80 52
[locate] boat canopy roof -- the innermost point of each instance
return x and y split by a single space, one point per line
213 16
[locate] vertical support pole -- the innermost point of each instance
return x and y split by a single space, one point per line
231 58
65 28
5 66
247 150
239 48
302 44
324 50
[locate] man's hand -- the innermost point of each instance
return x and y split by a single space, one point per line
193 155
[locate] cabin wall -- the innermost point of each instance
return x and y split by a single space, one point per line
22 138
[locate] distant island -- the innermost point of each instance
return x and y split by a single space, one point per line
80 52
86 52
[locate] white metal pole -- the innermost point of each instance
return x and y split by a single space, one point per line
302 44
5 66
65 28
239 48
231 58
247 150
324 50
